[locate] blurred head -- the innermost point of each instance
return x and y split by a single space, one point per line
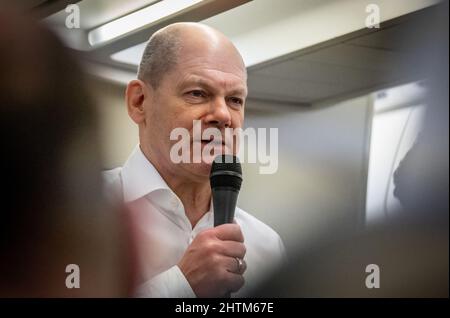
188 72
52 212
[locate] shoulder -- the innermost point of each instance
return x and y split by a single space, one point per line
257 231
111 175
265 249
112 183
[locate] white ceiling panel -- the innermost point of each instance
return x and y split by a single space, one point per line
94 13
367 61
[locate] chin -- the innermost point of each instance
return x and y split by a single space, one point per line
199 171
204 167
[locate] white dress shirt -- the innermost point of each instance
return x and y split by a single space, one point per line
164 232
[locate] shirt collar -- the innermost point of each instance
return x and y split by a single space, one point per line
140 177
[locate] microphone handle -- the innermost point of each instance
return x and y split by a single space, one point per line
224 202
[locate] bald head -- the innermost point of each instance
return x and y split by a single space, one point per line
166 46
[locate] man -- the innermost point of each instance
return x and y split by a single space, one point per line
189 72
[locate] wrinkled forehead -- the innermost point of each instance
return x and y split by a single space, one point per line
212 80
214 75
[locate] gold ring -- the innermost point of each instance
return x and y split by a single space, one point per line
240 263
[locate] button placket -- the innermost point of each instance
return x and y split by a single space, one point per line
191 237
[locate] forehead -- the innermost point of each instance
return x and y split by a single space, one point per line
213 72
212 79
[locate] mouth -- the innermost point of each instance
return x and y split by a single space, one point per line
213 142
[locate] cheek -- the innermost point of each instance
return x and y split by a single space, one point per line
237 119
165 117
182 120
185 117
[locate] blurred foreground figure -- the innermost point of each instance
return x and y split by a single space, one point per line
52 214
411 251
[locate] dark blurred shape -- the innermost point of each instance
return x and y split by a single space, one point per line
52 212
411 250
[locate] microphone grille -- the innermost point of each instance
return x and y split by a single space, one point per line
226 171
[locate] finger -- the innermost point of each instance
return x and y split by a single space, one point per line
232 249
234 282
229 232
243 267
232 265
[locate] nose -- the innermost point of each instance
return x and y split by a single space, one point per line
219 114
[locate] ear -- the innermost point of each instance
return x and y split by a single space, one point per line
136 95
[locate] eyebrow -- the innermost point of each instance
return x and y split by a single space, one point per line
205 83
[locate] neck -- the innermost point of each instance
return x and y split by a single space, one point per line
196 198
195 195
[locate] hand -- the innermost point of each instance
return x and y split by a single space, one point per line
210 263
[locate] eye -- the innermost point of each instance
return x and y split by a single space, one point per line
236 101
197 93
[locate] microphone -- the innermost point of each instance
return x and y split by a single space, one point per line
226 180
